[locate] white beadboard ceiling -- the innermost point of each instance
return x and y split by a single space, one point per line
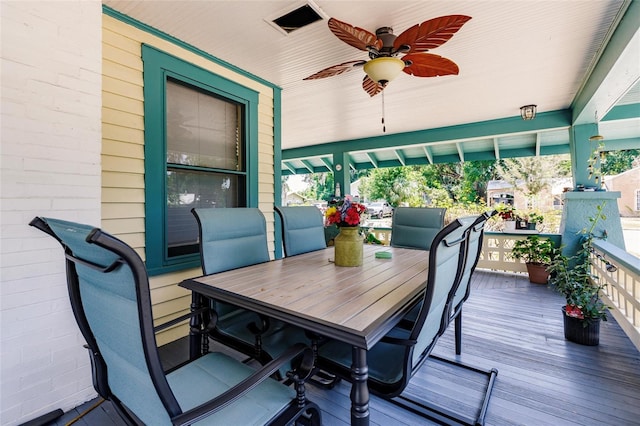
511 53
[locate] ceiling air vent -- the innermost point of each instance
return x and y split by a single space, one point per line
304 15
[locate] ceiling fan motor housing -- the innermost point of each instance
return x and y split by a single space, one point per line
386 35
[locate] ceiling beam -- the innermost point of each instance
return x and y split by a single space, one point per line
496 148
400 156
544 121
460 151
538 145
308 165
289 167
327 162
615 72
427 153
372 159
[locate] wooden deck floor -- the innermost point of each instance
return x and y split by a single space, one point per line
516 327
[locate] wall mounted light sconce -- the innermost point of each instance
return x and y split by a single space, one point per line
528 112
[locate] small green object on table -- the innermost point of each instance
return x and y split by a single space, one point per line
383 255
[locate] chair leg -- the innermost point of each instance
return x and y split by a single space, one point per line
492 374
458 329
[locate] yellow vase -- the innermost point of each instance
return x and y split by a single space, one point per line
348 247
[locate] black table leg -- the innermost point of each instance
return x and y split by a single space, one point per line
359 388
195 327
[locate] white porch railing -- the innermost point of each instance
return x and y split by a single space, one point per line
496 248
619 271
496 251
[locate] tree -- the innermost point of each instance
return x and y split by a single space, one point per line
476 176
533 172
395 184
616 162
321 186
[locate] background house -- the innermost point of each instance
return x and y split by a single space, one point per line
628 184
500 191
293 198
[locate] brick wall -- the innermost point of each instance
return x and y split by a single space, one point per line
50 166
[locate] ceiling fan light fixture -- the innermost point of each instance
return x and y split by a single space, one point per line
528 112
384 69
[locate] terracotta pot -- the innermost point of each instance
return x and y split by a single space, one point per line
538 273
575 330
348 247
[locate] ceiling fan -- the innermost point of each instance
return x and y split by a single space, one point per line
384 46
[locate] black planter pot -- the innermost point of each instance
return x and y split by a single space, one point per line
576 331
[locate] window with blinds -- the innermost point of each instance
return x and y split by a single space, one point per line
204 155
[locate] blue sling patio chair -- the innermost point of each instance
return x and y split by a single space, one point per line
474 247
302 229
394 360
303 232
110 298
416 227
232 238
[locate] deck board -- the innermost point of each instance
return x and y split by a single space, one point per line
516 327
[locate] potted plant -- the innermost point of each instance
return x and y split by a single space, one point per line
537 253
572 277
346 214
533 219
507 213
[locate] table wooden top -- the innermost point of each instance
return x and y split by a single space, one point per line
357 305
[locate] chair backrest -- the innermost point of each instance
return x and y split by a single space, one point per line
474 246
109 292
416 227
446 260
231 238
302 229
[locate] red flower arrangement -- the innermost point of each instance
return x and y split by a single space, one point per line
344 212
574 311
506 211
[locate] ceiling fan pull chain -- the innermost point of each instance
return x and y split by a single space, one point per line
384 128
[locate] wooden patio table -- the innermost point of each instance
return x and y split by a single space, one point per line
356 305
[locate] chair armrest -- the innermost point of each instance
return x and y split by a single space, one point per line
398 341
179 319
236 392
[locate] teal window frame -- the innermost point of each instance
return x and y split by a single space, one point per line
158 67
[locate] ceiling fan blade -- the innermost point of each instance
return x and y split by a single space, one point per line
354 36
335 70
429 65
430 34
372 87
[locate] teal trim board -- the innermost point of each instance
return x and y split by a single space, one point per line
544 121
277 172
